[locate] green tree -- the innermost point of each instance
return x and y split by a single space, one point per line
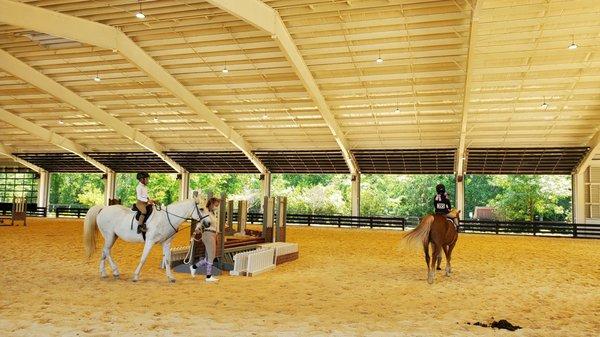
162 187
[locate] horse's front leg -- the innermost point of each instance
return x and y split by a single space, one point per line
166 261
147 248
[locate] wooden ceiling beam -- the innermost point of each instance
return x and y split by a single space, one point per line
267 19
23 71
107 37
459 161
50 137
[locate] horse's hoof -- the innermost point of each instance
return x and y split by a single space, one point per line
171 280
116 277
134 280
103 276
438 268
430 280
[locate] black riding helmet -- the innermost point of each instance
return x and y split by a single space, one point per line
142 175
440 189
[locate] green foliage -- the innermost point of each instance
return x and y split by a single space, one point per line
515 197
313 193
401 195
66 189
521 197
162 187
235 186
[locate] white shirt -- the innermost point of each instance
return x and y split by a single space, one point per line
142 192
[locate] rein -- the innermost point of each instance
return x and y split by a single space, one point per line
180 217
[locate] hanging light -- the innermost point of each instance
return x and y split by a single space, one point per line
573 45
156 119
60 121
139 14
225 70
397 106
379 59
97 77
544 104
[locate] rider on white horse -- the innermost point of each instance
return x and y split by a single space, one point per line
143 201
115 222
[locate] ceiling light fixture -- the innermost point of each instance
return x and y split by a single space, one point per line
60 121
156 119
573 45
225 70
397 106
139 14
379 59
97 77
544 104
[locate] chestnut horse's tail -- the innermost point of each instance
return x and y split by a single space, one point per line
419 236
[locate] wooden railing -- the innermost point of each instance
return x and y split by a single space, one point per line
32 209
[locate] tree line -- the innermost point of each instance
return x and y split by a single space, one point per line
514 197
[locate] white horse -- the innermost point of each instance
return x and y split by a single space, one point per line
118 221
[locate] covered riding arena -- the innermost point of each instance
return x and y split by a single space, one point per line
457 87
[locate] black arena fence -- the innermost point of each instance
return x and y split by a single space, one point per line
32 210
535 228
70 212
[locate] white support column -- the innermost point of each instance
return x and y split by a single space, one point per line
578 196
110 186
184 185
266 184
43 187
355 199
460 196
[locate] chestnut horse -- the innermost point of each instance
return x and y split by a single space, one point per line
440 232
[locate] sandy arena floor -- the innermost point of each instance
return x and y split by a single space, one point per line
346 282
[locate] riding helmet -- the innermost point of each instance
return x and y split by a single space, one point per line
440 189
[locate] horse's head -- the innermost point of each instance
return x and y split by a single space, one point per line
455 213
198 212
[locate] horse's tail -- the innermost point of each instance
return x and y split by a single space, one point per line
419 235
90 229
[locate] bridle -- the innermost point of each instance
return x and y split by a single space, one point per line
175 230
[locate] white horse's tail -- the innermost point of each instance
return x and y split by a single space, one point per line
420 235
90 229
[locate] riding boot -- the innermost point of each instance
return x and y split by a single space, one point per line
141 224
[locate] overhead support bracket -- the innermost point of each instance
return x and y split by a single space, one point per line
267 19
459 161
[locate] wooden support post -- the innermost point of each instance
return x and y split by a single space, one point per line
242 216
281 227
268 206
230 214
221 236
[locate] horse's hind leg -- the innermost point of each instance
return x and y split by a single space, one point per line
436 253
448 253
109 241
113 265
426 250
439 262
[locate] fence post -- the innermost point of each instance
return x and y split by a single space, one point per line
403 223
574 230
371 221
497 225
309 217
57 212
339 221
